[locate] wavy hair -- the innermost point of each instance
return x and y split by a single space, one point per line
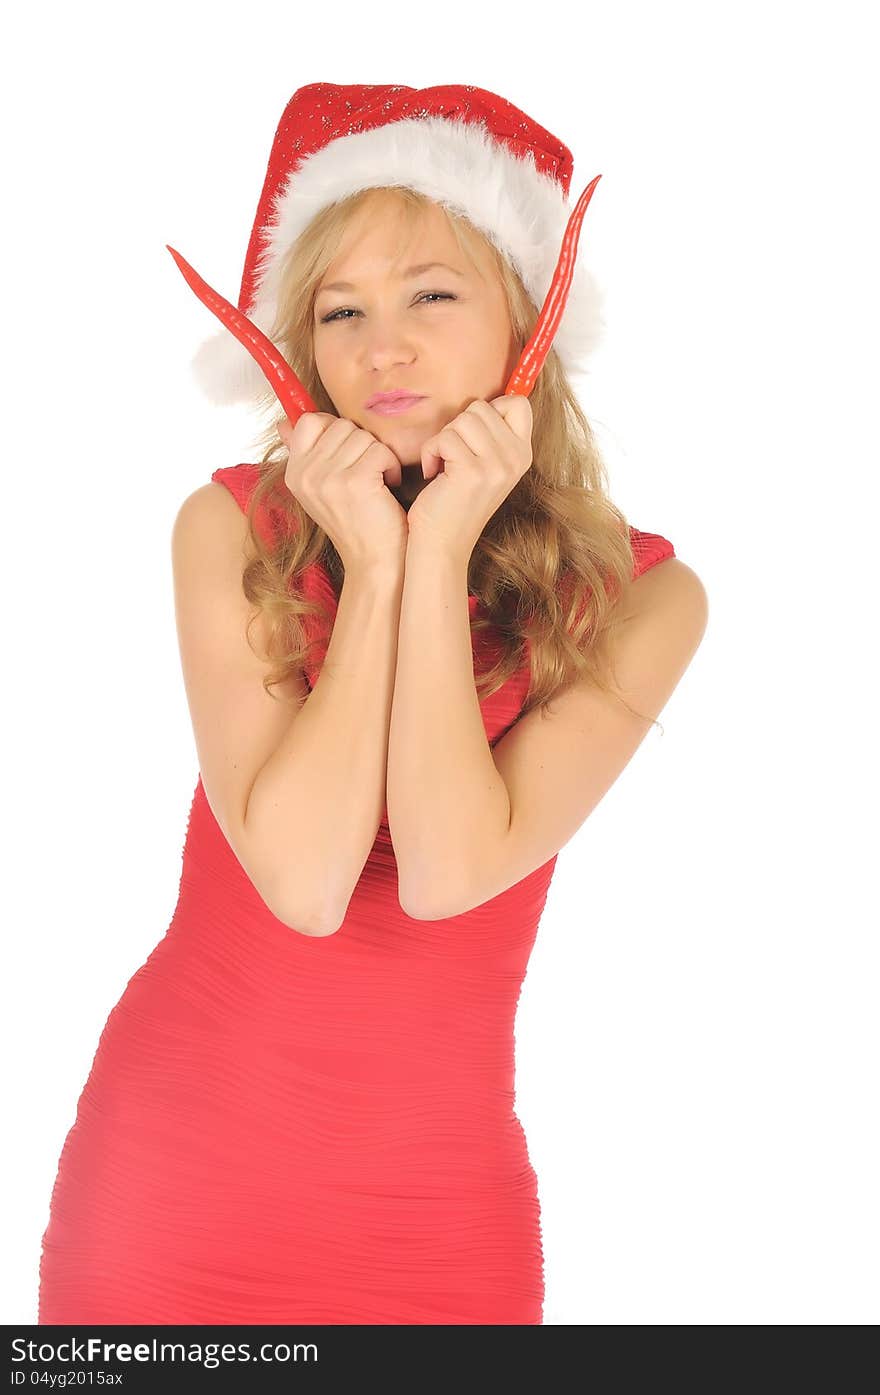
551 563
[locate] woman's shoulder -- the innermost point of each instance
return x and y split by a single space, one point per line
271 518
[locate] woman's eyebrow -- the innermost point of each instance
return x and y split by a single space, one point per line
410 271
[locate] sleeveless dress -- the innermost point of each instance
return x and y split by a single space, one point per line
278 1128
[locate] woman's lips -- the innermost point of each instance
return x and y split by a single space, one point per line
394 407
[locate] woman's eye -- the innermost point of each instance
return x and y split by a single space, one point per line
346 311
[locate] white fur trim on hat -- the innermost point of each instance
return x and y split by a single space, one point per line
459 164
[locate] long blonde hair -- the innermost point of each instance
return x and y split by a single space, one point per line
552 561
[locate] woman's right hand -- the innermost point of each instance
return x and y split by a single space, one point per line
337 471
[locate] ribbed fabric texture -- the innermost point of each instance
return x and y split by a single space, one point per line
278 1128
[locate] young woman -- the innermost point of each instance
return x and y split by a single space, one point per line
419 643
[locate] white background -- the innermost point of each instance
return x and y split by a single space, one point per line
696 1038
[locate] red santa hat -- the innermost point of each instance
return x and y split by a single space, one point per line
463 147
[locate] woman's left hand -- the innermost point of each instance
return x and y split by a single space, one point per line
483 452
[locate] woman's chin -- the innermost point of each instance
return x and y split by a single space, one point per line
403 437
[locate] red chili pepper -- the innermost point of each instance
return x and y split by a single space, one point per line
534 355
287 386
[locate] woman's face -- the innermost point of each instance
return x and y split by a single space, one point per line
442 333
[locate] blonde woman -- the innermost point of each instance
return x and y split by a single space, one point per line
419 643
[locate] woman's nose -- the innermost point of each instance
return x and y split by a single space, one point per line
389 350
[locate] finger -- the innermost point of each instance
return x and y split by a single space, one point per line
493 423
443 440
501 424
444 448
306 431
431 457
515 410
454 442
480 432
393 474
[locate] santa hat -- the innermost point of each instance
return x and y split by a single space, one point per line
463 147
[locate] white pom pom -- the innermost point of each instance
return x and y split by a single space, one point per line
225 371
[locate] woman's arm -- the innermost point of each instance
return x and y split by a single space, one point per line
469 821
445 796
318 800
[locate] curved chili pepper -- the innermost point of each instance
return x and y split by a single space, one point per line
286 385
534 355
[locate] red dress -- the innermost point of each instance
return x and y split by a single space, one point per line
278 1128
